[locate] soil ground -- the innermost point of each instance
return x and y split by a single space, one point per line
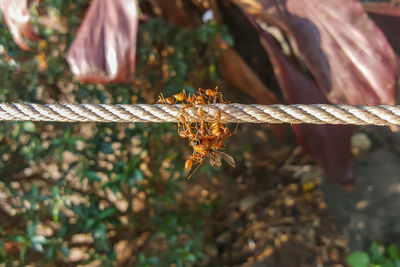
271 212
279 210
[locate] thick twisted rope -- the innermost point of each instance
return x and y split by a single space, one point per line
238 113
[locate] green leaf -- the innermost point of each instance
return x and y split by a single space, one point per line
106 148
358 259
39 239
92 176
376 253
107 213
138 175
191 257
226 36
29 127
50 252
393 252
153 260
65 251
63 230
142 258
20 239
90 222
30 229
35 190
22 254
56 142
56 210
55 191
38 247
387 263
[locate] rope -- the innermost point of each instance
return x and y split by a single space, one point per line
238 113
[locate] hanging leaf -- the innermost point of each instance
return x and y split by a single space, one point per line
346 52
329 144
105 46
349 57
387 17
17 17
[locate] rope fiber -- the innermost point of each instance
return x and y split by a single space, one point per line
236 113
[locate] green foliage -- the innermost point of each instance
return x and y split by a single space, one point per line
358 259
378 256
106 182
185 52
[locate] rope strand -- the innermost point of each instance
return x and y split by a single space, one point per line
237 113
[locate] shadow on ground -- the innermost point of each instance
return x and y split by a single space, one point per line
371 211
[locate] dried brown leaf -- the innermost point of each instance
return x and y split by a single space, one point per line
17 18
104 49
346 52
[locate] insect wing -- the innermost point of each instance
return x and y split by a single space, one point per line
228 158
215 158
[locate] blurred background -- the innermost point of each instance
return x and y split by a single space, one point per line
116 194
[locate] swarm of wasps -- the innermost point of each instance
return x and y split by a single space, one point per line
205 137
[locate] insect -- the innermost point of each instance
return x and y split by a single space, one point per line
206 135
187 131
204 147
199 100
163 100
180 96
213 96
216 156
